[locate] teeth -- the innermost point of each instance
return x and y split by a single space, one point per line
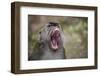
56 29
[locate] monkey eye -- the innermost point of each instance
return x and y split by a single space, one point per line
40 32
49 25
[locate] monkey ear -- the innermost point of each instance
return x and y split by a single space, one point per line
39 37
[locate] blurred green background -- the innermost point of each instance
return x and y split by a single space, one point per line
75 31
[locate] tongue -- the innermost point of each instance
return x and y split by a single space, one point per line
54 44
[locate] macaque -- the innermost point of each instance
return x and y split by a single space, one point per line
50 43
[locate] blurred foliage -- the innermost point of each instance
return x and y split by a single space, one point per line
76 38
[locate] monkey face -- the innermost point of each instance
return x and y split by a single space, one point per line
52 35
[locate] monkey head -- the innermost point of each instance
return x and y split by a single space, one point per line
51 35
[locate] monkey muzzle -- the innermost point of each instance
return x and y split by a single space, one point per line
55 38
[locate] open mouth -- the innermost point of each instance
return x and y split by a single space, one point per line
54 38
